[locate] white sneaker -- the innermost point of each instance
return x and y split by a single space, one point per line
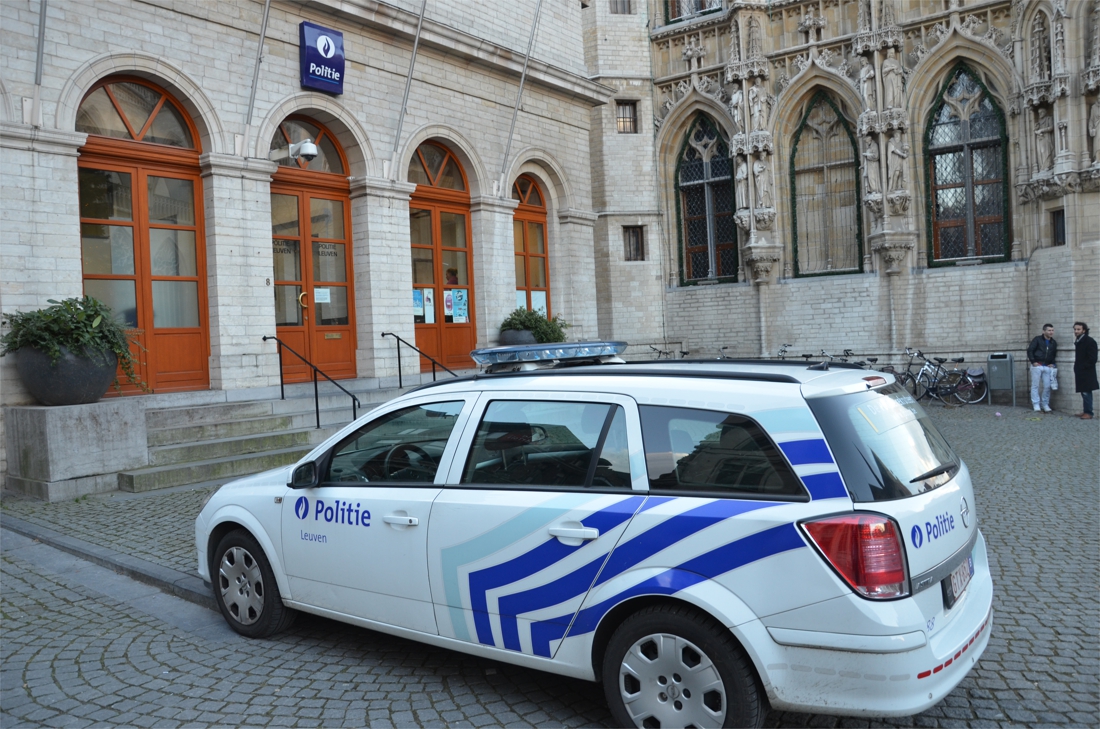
1035 408
1047 410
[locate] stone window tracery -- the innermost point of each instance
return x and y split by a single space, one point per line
705 195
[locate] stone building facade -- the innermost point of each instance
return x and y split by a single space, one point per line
708 175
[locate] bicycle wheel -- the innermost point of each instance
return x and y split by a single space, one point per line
981 389
922 386
965 391
909 382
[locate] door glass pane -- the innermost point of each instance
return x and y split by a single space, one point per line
335 310
171 201
169 128
107 249
287 311
454 268
406 445
536 268
97 115
328 262
535 443
536 242
536 198
328 160
175 304
287 262
423 266
417 175
521 272
452 230
119 295
172 252
517 235
451 177
420 227
326 218
538 302
137 103
284 215
521 299
299 130
105 195
524 185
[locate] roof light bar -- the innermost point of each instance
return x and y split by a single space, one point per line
547 354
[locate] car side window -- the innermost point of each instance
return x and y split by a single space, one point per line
405 445
714 453
535 443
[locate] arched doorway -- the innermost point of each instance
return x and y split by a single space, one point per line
442 257
311 246
531 247
141 227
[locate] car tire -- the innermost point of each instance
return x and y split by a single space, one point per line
245 587
672 666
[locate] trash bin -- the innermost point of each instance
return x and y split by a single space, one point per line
1001 373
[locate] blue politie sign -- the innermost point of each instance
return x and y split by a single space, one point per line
321 54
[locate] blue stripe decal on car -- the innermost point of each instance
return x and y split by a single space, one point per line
728 557
537 559
674 529
801 452
825 486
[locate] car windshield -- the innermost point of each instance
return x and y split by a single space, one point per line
884 443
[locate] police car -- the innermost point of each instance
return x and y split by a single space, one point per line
705 538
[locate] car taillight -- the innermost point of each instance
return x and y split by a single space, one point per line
865 550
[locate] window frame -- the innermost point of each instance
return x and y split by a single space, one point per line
627 231
972 221
626 123
615 7
528 213
713 247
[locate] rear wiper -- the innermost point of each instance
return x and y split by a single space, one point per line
935 472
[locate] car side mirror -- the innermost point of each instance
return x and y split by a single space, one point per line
305 476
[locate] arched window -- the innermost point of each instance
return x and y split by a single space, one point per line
705 186
825 192
141 226
531 247
294 130
967 156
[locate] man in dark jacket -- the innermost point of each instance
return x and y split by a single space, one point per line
1084 367
1041 353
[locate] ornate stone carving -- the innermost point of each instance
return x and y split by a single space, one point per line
937 34
1090 179
694 53
737 101
741 184
761 258
873 203
760 104
1094 130
893 253
764 218
1040 49
759 140
883 38
1050 188
893 81
743 220
872 182
880 122
897 154
867 82
812 25
918 53
899 202
762 179
782 84
802 62
1044 139
863 16
756 39
734 54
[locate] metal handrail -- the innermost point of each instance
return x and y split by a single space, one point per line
401 341
316 397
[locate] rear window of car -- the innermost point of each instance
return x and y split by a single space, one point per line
884 443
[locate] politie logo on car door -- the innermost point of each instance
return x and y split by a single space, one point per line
321 56
301 507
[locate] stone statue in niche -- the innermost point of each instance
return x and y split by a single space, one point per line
893 79
1094 129
759 105
897 153
867 82
741 184
737 99
872 184
1044 139
756 42
762 175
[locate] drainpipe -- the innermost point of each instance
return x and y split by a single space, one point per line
243 151
392 172
36 103
501 188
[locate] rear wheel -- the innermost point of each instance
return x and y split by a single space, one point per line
966 390
672 667
245 587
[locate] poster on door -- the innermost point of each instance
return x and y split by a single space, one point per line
461 306
448 305
429 306
418 306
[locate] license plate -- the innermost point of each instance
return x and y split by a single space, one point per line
955 584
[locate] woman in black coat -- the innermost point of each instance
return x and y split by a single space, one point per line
1084 367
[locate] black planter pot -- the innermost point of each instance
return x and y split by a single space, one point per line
72 381
511 337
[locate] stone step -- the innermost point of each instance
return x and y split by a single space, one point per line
226 429
202 414
239 446
215 469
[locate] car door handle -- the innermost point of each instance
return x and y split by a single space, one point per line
574 533
401 520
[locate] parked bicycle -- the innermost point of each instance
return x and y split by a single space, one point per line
667 353
949 386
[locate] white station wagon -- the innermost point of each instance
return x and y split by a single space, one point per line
705 538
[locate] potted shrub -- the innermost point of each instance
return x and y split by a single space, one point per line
530 327
69 353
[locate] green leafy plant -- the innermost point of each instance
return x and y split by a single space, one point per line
79 325
545 330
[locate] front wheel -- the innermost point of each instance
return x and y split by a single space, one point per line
966 390
672 667
245 587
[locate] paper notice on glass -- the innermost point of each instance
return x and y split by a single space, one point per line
418 302
322 296
429 306
448 303
461 315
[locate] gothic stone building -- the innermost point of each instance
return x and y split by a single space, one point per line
705 175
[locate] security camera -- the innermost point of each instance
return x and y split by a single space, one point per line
307 150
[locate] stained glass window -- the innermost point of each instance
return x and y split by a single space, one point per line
705 187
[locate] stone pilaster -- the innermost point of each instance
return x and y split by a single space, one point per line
494 266
573 255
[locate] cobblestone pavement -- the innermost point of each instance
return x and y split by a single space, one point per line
83 646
